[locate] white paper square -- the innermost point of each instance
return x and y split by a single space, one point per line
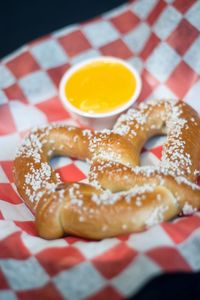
167 22
137 38
79 282
37 87
193 15
162 62
49 54
192 56
100 33
6 77
24 274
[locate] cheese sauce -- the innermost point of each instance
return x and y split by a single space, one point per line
100 86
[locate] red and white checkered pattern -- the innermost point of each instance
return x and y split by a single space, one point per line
161 39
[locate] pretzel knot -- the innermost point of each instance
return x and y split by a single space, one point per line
122 197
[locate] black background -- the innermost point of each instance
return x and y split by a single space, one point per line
22 21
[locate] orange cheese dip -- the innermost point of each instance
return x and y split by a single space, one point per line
100 86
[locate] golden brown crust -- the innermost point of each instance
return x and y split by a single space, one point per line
121 197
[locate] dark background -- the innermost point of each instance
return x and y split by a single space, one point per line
24 20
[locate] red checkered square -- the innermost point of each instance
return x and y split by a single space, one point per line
123 237
182 228
13 92
145 93
106 293
7 193
74 43
72 240
157 151
23 64
119 257
68 258
117 48
148 84
7 125
47 292
183 6
125 22
182 78
151 44
153 16
70 173
57 73
182 37
3 282
27 226
19 251
53 109
1 216
169 259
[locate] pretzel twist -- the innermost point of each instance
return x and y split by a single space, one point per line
122 197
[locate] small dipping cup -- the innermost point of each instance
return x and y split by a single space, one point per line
104 119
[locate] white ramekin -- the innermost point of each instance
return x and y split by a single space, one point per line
98 120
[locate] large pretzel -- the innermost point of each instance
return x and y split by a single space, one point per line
121 197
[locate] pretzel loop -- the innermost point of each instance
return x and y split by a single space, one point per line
122 197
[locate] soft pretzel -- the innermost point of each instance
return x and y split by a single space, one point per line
122 197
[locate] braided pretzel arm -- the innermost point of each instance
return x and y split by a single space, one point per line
181 152
38 183
178 168
87 210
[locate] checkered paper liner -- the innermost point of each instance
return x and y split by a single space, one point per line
161 39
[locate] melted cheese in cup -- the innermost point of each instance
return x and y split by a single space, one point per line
100 87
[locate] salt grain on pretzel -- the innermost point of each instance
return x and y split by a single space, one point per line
122 197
